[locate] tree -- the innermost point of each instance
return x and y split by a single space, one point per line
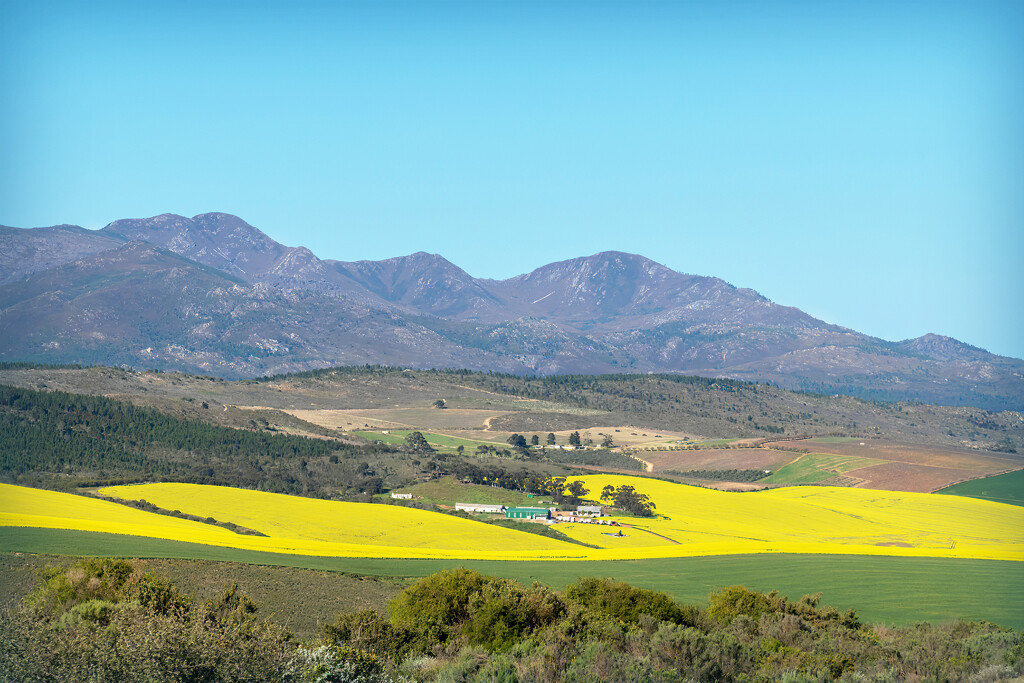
439 403
460 449
576 490
629 499
555 486
516 441
607 441
551 439
534 440
417 443
574 439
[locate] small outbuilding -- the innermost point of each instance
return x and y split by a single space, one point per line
403 496
480 507
528 513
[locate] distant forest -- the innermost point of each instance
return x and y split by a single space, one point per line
62 440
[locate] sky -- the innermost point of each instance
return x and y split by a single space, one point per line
859 160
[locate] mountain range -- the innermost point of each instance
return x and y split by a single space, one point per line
212 294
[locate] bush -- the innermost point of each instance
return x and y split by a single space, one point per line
625 603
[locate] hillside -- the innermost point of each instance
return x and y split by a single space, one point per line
697 406
239 304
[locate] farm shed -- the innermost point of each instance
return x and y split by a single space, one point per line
592 510
405 496
480 507
528 513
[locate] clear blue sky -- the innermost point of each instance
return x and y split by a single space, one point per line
863 161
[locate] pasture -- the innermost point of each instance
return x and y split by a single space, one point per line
449 491
1003 488
396 437
816 467
889 590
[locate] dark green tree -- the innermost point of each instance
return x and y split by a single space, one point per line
551 439
574 439
417 443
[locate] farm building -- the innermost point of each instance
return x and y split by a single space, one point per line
404 496
591 510
528 513
479 507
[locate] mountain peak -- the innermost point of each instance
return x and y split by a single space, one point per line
939 347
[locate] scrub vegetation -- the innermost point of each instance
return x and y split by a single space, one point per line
109 620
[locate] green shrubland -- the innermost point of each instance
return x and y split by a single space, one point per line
106 620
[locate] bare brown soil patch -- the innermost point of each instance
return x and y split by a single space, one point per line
901 476
422 418
913 467
719 459
935 456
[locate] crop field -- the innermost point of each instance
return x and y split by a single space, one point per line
292 524
814 467
912 467
890 590
823 520
719 459
691 521
1003 488
863 463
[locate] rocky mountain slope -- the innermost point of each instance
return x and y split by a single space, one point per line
214 294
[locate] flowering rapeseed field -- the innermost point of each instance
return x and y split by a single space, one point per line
690 521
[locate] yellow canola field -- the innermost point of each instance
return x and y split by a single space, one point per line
818 519
294 525
326 521
691 521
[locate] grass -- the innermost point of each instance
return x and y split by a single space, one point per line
815 467
396 437
1002 488
890 590
299 599
448 491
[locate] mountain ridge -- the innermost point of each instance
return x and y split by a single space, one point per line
608 312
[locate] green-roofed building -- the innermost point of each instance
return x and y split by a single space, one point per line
528 513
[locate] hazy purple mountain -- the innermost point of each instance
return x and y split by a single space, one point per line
230 244
215 294
426 283
23 252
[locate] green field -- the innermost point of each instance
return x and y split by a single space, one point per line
882 589
447 491
1002 488
815 467
396 437
709 442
